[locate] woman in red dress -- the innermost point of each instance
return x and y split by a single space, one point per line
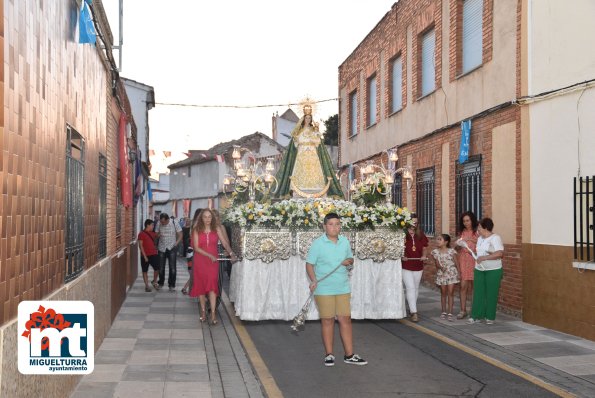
206 234
468 232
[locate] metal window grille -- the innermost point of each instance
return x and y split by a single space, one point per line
425 200
468 187
102 249
75 209
584 200
397 193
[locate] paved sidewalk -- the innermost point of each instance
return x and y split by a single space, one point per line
157 347
559 359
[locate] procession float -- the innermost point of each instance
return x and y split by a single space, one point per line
276 216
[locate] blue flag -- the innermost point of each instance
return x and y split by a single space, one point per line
87 33
149 191
465 138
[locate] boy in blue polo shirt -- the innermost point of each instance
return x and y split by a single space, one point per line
333 293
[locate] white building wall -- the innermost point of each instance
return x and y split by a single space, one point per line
137 95
559 149
562 39
160 195
284 128
202 183
206 179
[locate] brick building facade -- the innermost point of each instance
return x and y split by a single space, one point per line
501 66
426 128
64 233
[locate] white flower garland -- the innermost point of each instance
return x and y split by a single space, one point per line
310 213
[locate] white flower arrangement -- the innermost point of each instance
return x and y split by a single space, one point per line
371 191
310 213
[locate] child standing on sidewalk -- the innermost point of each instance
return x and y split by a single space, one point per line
447 274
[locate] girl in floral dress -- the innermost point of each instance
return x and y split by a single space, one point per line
447 274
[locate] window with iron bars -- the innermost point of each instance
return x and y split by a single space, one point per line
75 208
425 200
584 200
397 191
102 246
468 187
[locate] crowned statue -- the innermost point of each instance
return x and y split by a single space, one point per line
306 169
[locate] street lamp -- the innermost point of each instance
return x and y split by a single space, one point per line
378 178
252 176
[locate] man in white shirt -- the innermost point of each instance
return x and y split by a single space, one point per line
170 235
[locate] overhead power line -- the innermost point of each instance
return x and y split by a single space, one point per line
240 106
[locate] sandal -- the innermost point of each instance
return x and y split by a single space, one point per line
213 319
443 315
203 316
462 315
184 291
148 289
450 317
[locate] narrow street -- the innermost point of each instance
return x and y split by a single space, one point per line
402 362
157 347
424 156
433 358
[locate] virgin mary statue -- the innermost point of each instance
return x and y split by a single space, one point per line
306 169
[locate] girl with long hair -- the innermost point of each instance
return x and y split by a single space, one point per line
467 229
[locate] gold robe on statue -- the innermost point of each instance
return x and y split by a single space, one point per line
307 172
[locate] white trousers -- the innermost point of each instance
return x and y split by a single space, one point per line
411 280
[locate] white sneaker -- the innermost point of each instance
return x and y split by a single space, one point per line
471 321
329 360
489 321
355 360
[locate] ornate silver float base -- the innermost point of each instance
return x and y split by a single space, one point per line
268 244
